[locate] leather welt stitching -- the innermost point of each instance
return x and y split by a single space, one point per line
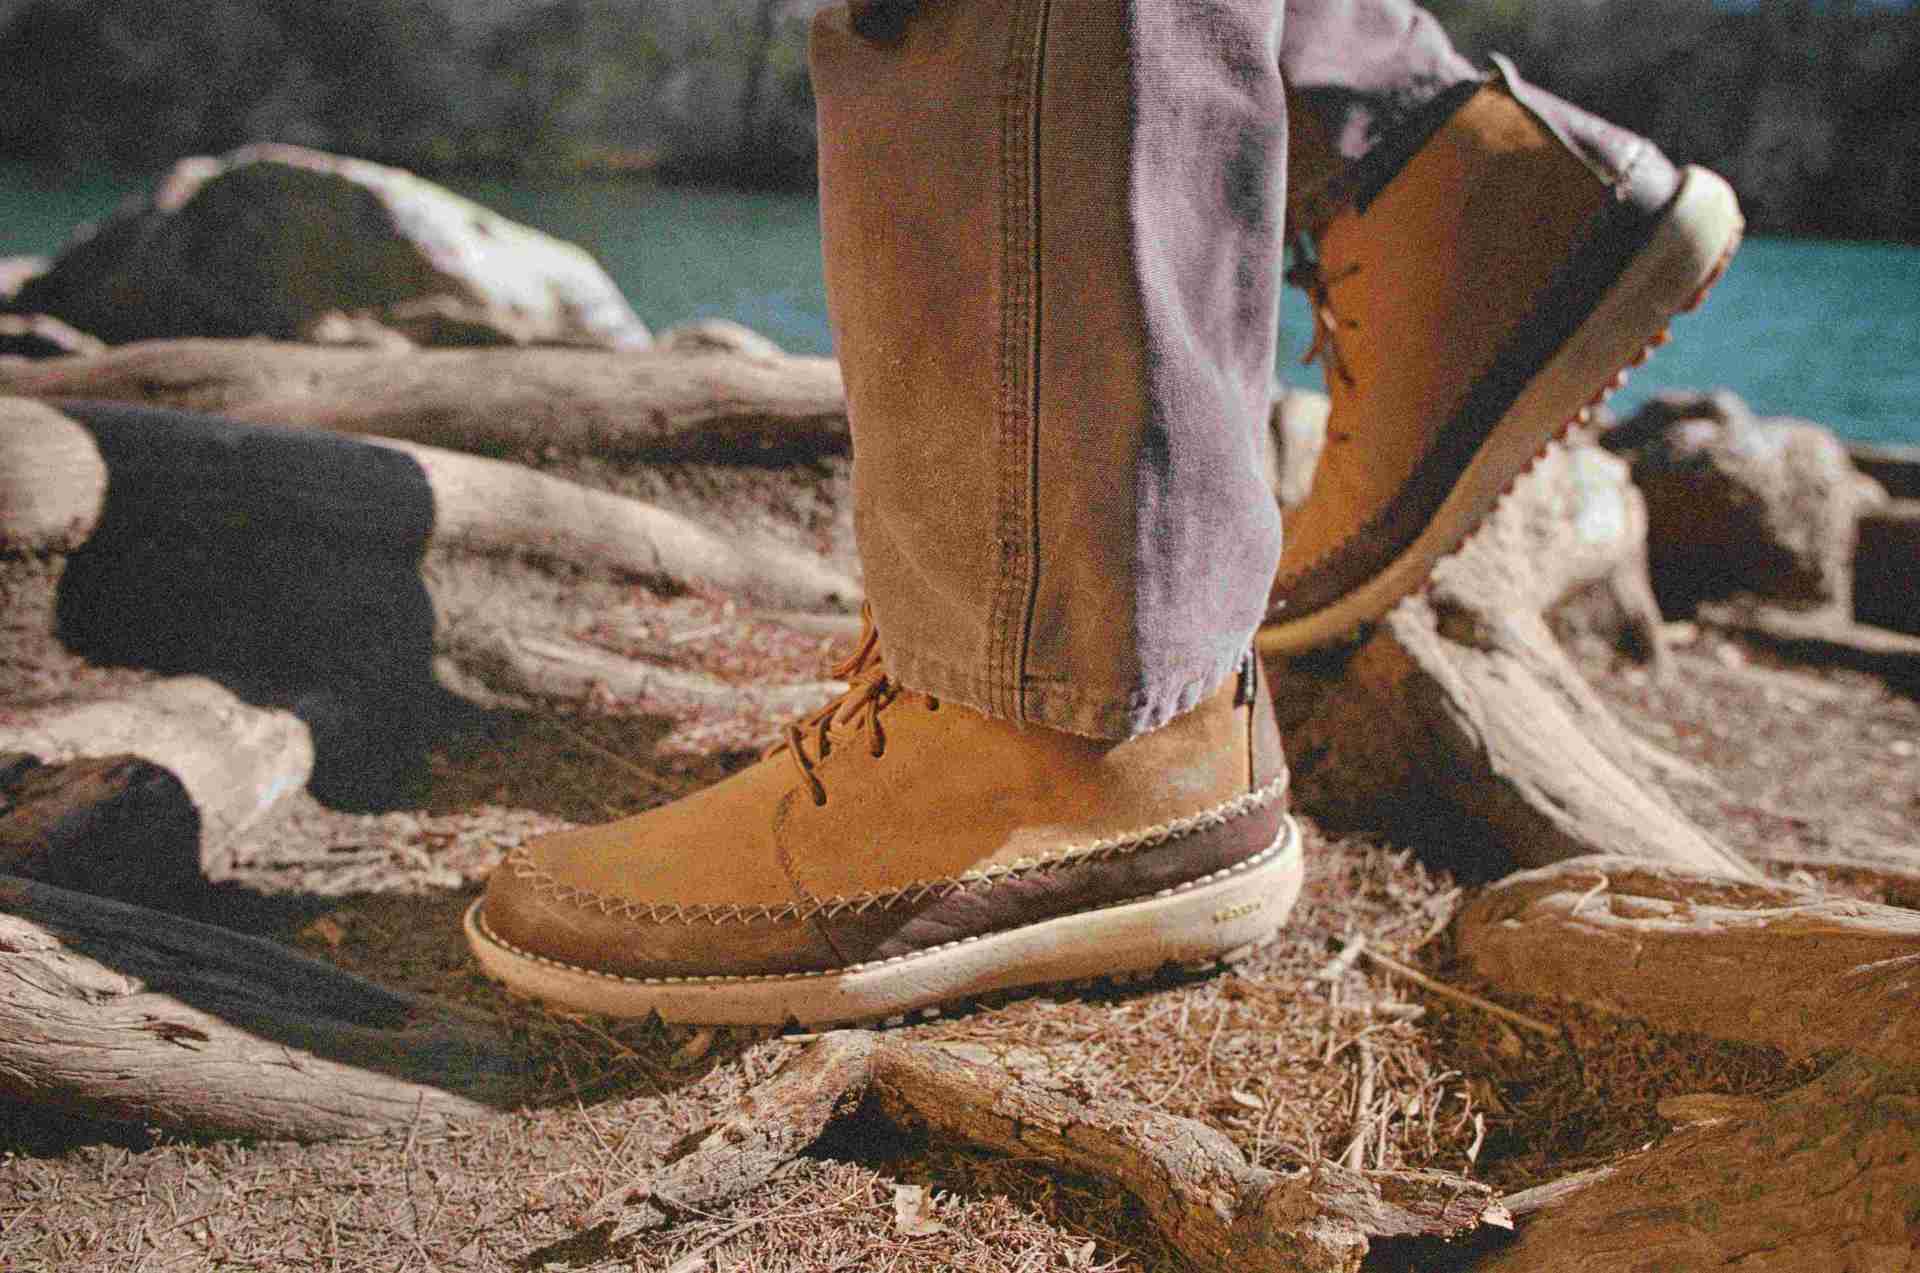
520 863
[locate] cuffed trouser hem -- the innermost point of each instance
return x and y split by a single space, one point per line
1111 713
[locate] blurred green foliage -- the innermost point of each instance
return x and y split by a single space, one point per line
1809 106
438 85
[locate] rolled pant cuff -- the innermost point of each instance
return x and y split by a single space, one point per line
1107 713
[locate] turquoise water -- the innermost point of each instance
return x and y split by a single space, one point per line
1827 331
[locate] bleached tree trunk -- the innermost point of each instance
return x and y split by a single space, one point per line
1462 707
1826 1177
120 1013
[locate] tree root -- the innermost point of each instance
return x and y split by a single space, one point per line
1825 1177
1753 961
1210 1204
515 403
1462 708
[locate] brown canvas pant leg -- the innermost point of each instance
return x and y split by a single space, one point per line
1052 236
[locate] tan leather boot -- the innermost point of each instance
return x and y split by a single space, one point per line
1481 284
896 852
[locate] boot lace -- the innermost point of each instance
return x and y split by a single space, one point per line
869 690
1306 274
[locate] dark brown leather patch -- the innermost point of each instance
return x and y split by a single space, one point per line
526 914
908 925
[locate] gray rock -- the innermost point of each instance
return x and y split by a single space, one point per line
1296 435
1743 509
270 239
16 270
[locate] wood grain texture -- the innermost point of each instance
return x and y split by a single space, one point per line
1219 1211
120 1013
1746 960
657 403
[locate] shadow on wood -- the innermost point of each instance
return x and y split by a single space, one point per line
383 592
283 564
115 826
118 1013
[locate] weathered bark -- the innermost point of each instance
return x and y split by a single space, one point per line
1462 706
120 1013
1210 1204
236 763
1736 959
771 1125
1822 1178
1826 1177
514 403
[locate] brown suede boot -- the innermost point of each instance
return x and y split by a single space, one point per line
1482 283
896 852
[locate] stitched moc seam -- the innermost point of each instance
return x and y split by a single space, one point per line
1289 839
521 864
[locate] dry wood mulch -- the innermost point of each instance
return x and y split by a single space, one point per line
1313 1049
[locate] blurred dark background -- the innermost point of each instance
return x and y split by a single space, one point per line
1810 108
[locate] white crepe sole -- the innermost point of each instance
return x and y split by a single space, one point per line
1690 245
1218 918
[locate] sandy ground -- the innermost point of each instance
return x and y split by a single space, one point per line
1812 772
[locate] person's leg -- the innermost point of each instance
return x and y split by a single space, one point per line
1052 239
1052 234
1484 260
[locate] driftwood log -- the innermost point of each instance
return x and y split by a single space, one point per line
503 586
235 763
115 826
120 1013
1207 1201
305 609
1826 1177
373 590
1462 709
527 404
